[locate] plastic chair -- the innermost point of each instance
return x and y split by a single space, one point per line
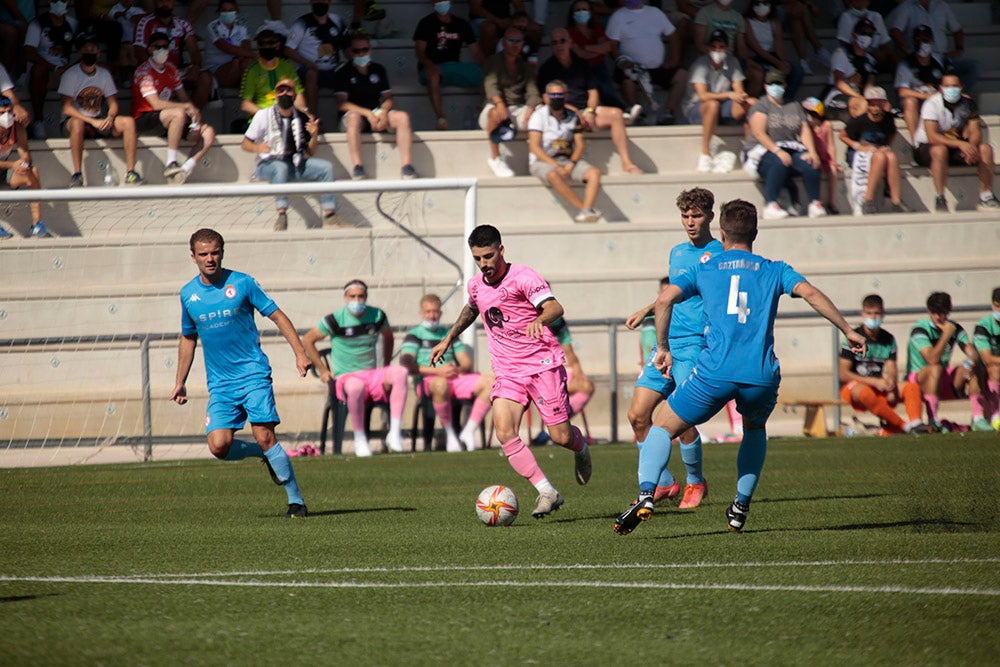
335 414
424 416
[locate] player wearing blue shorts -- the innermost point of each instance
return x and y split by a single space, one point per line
218 307
740 292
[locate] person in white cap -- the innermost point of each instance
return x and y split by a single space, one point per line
873 132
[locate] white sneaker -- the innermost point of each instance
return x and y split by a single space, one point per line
361 448
704 163
723 162
588 215
632 114
394 442
774 212
816 210
500 167
468 440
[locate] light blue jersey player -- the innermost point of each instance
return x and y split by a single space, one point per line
218 307
740 292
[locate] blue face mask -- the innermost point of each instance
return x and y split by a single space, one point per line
361 61
442 7
356 308
427 324
857 12
872 323
582 16
951 94
996 315
775 90
228 18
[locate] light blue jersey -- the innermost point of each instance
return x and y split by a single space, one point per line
688 320
222 314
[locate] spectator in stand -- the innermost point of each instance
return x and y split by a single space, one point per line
592 44
637 31
127 15
932 341
822 133
354 332
682 13
15 158
721 16
950 133
510 96
228 52
261 78
716 96
315 43
765 42
21 114
450 379
99 18
986 338
800 16
285 139
852 70
880 47
911 14
438 40
780 145
364 97
15 15
161 107
90 108
583 96
872 133
869 379
919 75
183 42
48 47
556 145
491 18
532 38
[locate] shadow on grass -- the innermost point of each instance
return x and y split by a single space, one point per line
24 598
858 496
313 513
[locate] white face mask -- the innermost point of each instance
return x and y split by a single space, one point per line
925 49
6 120
718 57
725 3
761 10
863 41
872 323
160 56
58 8
356 308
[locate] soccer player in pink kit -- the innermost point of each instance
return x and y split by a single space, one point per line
517 304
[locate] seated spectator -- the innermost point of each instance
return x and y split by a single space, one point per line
15 15
227 50
127 15
868 381
438 40
801 19
950 133
880 45
911 14
579 387
532 37
354 332
720 16
682 14
257 88
780 145
716 96
583 96
986 338
932 341
852 70
161 107
450 379
48 48
869 140
21 114
183 48
107 20
636 31
285 140
15 159
315 43
590 43
365 100
556 145
918 76
90 109
491 18
510 96
822 133
765 43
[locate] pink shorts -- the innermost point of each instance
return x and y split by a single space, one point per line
462 387
374 380
547 389
946 389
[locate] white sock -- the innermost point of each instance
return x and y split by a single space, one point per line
171 155
985 195
396 427
188 165
361 443
545 486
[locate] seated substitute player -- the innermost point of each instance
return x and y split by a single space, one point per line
869 380
218 307
932 341
354 331
451 379
364 97
986 338
517 304
740 292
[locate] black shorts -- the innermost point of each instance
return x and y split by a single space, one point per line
149 123
922 156
660 76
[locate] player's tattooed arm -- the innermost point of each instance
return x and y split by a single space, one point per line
465 319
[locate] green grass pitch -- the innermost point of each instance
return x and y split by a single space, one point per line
857 551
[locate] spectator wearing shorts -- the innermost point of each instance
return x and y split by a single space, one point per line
315 43
511 95
918 76
183 52
48 49
873 133
15 160
228 52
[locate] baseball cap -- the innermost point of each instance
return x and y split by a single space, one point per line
159 37
774 75
286 82
719 36
923 33
813 105
864 26
503 132
875 93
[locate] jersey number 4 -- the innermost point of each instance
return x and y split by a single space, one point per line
737 301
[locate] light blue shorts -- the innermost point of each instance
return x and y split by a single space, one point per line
231 408
699 398
683 356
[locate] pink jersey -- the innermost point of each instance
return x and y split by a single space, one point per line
507 309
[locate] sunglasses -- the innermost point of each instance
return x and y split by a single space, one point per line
556 96
559 41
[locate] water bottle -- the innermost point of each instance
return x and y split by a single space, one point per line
109 177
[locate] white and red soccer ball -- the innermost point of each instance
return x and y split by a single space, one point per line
497 505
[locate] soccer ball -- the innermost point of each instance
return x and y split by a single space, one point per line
497 505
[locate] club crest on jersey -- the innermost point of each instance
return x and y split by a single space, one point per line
704 258
208 420
230 291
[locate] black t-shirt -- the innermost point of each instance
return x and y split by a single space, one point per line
444 40
578 77
499 8
363 89
876 133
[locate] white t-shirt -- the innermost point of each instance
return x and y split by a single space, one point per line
5 81
949 121
840 62
303 39
557 135
718 80
41 40
234 35
847 21
124 16
88 91
763 32
909 14
639 34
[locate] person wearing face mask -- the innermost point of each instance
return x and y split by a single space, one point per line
591 43
257 88
91 111
722 16
852 70
161 107
285 140
451 380
183 51
490 18
125 15
353 374
986 338
15 159
511 96
950 133
315 42
881 46
869 379
919 75
556 147
943 23
48 47
438 40
716 97
873 133
765 42
228 52
365 101
21 114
